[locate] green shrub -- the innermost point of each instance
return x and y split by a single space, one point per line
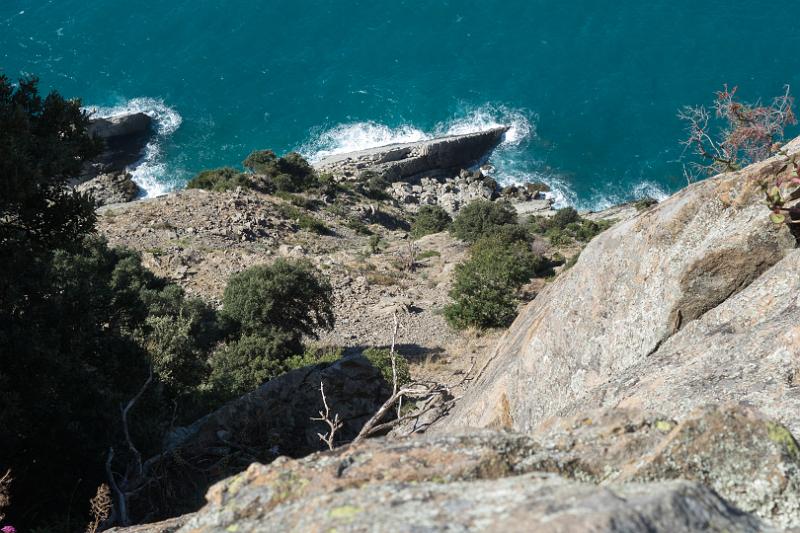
379 357
286 295
314 356
297 200
312 224
246 363
262 162
290 173
430 219
482 218
565 216
485 286
375 244
219 179
567 226
358 226
304 220
382 360
644 203
373 185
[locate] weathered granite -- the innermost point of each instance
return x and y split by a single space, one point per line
615 470
273 420
692 300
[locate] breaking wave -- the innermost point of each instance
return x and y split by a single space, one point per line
150 173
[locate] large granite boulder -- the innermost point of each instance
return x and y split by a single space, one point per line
440 157
693 300
274 420
618 471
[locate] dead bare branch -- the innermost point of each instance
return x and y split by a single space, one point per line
333 424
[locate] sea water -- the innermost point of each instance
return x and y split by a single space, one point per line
590 88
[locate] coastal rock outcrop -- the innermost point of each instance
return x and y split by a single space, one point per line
111 188
693 300
125 138
443 156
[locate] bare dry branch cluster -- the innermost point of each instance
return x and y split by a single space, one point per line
334 424
745 133
100 507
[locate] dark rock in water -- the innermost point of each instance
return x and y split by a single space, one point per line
443 156
120 125
271 421
111 188
125 137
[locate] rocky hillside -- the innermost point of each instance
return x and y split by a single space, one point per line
651 386
694 301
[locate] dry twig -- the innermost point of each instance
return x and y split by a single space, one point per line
333 424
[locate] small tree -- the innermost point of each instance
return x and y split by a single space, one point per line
219 179
430 219
481 218
244 364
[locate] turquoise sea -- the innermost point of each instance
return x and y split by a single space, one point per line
590 87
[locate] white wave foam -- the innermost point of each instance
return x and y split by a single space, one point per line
150 172
354 136
358 136
488 117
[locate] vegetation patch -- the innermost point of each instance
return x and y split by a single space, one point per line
482 218
219 179
430 219
567 227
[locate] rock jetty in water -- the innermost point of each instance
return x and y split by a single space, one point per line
440 157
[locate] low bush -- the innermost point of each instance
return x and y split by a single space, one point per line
379 357
644 203
373 186
485 286
286 295
358 226
303 219
290 173
482 218
566 227
382 360
246 363
219 179
430 219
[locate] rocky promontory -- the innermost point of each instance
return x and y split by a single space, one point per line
442 156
